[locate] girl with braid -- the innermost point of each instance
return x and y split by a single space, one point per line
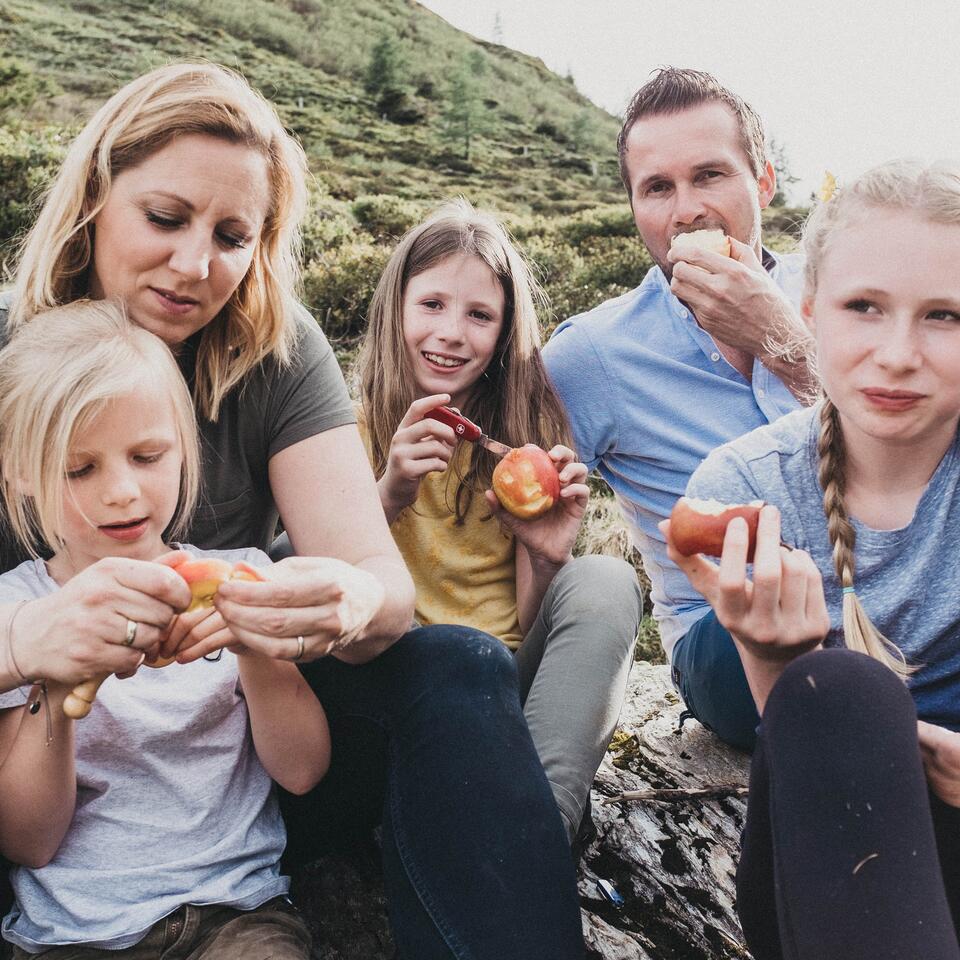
851 640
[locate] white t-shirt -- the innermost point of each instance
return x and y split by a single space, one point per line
173 804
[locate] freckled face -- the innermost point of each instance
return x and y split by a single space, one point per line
178 232
452 318
886 316
689 171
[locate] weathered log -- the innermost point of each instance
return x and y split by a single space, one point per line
672 863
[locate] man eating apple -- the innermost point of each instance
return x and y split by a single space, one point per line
700 353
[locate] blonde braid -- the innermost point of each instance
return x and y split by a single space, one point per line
859 633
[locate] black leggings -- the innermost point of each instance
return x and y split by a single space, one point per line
843 844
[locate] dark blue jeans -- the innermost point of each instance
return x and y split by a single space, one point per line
708 674
430 738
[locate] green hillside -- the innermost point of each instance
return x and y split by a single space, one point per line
541 146
382 93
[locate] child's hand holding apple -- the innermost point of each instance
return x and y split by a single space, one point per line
540 498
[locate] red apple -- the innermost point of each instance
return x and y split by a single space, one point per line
205 575
699 526
526 482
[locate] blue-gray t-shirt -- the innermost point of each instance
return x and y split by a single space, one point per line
905 578
173 805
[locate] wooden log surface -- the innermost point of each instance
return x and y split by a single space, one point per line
672 861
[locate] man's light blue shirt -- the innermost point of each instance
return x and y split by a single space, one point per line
649 395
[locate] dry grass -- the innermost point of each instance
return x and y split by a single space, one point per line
603 531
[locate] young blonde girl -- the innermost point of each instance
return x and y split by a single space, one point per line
152 820
852 842
453 321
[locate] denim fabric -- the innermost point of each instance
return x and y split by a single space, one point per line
430 736
274 929
708 674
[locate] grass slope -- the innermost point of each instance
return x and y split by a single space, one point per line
542 140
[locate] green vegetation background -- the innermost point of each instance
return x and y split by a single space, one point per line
397 111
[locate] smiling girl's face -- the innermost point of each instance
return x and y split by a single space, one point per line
886 314
178 232
452 319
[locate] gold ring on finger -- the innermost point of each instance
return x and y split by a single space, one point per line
131 633
299 654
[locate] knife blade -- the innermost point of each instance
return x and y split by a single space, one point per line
467 430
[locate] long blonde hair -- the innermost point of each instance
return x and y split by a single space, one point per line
140 119
57 373
930 190
514 400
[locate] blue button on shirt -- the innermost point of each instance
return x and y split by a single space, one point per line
649 395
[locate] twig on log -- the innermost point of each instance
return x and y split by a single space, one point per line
712 792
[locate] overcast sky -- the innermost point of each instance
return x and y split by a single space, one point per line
841 84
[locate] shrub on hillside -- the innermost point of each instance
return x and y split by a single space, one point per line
328 225
385 216
28 160
613 221
338 285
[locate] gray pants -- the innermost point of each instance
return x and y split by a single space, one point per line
573 666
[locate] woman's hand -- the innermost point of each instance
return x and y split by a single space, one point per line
80 631
774 618
940 752
549 539
419 446
325 601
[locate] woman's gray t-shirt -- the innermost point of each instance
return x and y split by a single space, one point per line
906 578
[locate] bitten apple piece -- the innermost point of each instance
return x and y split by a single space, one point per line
714 240
699 526
526 482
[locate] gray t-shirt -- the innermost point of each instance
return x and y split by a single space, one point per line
272 409
905 578
173 805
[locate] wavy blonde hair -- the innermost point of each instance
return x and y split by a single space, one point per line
143 117
514 399
84 355
931 190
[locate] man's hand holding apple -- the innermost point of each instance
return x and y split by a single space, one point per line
736 301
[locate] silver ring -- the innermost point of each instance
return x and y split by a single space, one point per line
299 654
131 633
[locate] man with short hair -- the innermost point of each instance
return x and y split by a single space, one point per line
698 354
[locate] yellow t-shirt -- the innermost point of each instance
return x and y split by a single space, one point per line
463 574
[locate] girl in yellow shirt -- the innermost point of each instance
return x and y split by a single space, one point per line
453 322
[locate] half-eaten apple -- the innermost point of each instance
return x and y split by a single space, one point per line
526 482
699 526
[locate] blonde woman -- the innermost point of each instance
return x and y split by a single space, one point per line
852 842
454 321
182 197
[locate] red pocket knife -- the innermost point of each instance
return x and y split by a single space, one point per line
467 430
